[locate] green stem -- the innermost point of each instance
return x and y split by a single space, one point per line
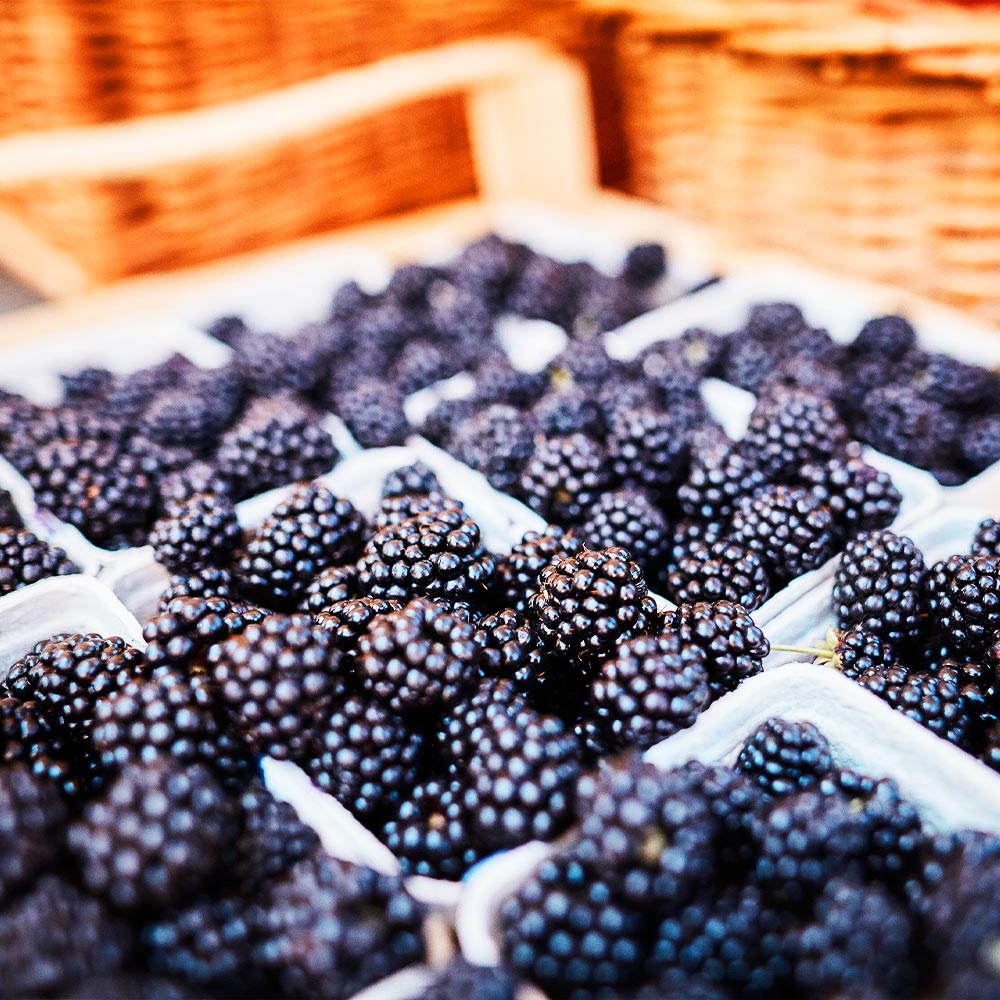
819 654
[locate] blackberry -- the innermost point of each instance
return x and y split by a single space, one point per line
487 267
88 385
749 361
415 478
197 532
432 554
498 381
330 586
792 429
898 421
422 363
980 442
32 818
448 414
861 498
572 410
306 533
168 715
517 573
570 936
964 601
194 415
430 834
348 620
933 700
461 980
564 477
879 586
885 338
688 534
53 936
10 516
782 757
860 939
374 414
187 626
497 442
717 481
133 393
791 530
543 289
588 603
774 320
330 929
734 646
721 571
423 656
987 538
365 757
396 510
511 648
652 687
226 329
948 381
209 581
853 651
25 558
276 680
277 441
734 939
154 838
645 264
646 449
627 519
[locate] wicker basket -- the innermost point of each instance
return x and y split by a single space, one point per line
872 146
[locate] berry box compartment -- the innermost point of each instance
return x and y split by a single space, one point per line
949 789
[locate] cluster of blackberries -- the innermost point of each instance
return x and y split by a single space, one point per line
783 876
926 639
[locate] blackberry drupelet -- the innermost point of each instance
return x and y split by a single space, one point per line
331 586
790 529
197 532
373 412
518 571
330 929
628 519
277 441
782 757
209 581
650 688
722 571
734 646
424 656
32 820
588 603
646 449
497 442
987 538
570 935
717 481
365 757
948 381
564 477
879 586
155 837
309 531
511 648
276 680
964 601
25 559
437 555
415 478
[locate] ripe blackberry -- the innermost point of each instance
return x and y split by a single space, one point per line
853 651
588 603
25 558
782 757
461 980
498 381
572 410
487 266
53 936
154 838
564 477
396 510
627 519
277 441
717 481
276 680
32 818
421 363
209 581
933 700
645 264
10 516
330 929
722 571
543 289
792 429
900 422
226 329
179 636
88 385
448 415
569 935
415 478
197 532
374 414
790 529
980 442
517 573
511 648
879 586
688 534
646 449
861 498
987 538
650 688
308 532
423 656
330 586
497 442
948 381
348 620
860 939
964 601
885 338
734 646
365 757
194 414
132 393
433 554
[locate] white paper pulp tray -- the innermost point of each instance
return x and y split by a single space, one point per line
945 532
950 789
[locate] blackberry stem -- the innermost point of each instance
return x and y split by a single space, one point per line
818 654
